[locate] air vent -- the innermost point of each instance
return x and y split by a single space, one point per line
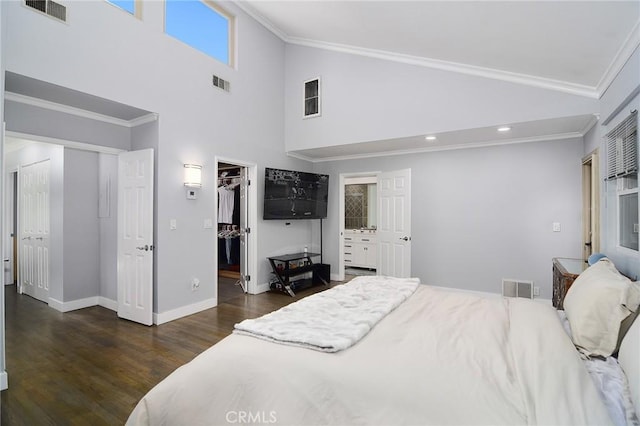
517 288
51 8
221 84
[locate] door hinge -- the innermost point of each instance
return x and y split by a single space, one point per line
247 278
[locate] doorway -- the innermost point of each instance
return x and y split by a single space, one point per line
360 225
235 216
590 204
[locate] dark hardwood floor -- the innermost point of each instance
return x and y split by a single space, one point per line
88 367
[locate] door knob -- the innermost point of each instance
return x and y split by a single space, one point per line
145 248
405 238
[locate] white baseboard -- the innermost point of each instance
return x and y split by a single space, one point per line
108 303
73 304
184 311
4 380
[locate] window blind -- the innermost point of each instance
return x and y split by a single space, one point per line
622 148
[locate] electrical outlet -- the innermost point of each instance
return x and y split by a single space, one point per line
536 290
195 284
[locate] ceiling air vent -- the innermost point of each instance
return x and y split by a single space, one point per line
517 288
51 8
221 84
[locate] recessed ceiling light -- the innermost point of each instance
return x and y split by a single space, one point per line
430 138
504 129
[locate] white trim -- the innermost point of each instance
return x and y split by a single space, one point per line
73 304
511 77
622 56
78 112
246 7
546 138
84 146
183 311
4 381
108 303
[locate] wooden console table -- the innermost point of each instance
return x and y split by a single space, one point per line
287 266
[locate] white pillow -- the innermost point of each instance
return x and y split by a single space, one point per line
596 303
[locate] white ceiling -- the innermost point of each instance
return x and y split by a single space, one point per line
572 46
575 44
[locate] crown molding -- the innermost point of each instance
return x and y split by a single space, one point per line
546 138
511 77
249 10
78 112
622 56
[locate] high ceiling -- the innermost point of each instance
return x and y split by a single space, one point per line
572 44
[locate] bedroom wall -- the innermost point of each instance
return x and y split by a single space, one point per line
622 97
81 226
33 120
480 215
105 52
367 99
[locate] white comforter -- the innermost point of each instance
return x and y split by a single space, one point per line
440 358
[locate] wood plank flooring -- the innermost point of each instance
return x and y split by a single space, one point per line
90 367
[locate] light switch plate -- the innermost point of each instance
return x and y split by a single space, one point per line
173 224
556 226
208 223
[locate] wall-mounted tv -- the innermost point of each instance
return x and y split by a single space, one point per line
295 195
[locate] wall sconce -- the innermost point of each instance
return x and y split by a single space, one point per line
192 179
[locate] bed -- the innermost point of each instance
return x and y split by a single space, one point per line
438 357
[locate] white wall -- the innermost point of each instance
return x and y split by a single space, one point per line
618 101
38 121
81 226
139 65
108 215
480 215
367 99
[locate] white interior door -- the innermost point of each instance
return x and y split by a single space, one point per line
33 257
394 223
135 236
245 231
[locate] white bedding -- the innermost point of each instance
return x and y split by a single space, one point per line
440 358
332 321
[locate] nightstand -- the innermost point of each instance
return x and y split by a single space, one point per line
565 271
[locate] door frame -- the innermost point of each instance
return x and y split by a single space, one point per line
591 202
343 177
252 221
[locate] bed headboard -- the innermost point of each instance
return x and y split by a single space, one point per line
629 359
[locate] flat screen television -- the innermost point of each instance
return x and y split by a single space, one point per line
295 195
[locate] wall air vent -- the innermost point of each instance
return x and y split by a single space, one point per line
49 7
221 84
517 288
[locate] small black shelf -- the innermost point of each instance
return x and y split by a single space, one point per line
287 266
